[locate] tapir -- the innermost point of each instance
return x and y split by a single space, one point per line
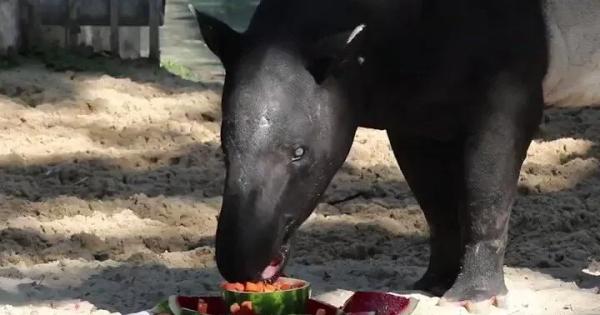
456 84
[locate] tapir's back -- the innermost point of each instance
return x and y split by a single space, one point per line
420 51
302 17
423 29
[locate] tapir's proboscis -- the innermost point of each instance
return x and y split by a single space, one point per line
457 85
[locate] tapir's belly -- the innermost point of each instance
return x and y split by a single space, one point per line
573 78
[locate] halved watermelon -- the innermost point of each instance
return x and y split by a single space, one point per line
292 301
361 303
380 303
188 305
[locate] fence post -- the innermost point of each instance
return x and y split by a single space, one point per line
114 27
34 26
154 19
72 28
10 34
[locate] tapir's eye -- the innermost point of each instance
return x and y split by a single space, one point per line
298 153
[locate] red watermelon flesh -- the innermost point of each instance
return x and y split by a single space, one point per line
381 303
214 304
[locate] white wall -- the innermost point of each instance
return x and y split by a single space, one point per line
574 75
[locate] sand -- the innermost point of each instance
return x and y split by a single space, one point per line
110 187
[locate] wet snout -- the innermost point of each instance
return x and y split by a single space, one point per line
250 233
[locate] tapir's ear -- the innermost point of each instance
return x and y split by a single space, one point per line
332 54
222 40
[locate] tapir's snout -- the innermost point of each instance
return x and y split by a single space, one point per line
251 236
245 247
244 252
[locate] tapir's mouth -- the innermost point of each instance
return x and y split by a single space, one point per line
275 268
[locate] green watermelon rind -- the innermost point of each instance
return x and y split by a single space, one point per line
286 302
171 306
163 307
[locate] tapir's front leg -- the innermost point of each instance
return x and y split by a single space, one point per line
494 150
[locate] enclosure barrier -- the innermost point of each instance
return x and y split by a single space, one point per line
72 14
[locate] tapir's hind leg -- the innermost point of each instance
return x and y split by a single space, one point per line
431 170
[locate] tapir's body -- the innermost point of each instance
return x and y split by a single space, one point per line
425 60
456 84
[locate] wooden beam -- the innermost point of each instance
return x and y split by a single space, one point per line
97 12
72 28
114 28
154 16
9 27
34 27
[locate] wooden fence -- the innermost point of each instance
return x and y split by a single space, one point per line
122 27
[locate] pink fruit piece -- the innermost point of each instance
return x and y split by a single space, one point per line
314 307
381 303
211 304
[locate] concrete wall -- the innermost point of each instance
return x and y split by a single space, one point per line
9 26
574 75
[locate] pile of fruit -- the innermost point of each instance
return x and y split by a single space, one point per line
361 303
261 286
282 297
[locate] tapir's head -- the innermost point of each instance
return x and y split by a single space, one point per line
289 118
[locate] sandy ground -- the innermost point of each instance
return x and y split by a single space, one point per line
109 189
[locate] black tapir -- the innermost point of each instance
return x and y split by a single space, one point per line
457 85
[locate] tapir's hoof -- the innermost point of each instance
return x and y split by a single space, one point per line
436 286
478 306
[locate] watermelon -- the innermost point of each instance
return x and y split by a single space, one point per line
380 303
187 305
292 301
361 303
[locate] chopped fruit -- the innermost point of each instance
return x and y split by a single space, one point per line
269 299
380 303
233 286
239 287
285 286
261 286
234 308
202 307
252 287
245 309
247 305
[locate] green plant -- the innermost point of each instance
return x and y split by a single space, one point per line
177 69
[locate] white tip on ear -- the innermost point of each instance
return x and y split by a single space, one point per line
355 32
192 9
